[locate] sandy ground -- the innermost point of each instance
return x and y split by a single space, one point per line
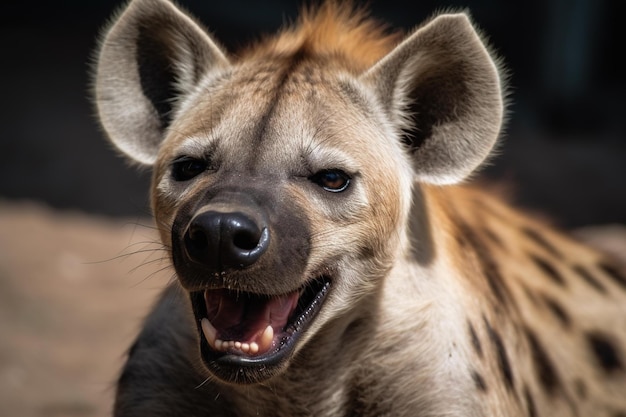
68 311
72 298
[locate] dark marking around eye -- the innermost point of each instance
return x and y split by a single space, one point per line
541 240
589 278
549 269
605 352
557 310
544 367
503 359
614 273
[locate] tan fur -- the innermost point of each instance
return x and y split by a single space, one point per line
442 300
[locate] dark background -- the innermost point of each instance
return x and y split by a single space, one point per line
564 151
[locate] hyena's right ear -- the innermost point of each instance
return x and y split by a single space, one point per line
150 59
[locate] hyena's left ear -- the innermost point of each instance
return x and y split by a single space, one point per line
442 90
149 60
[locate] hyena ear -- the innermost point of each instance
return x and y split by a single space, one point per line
441 88
149 60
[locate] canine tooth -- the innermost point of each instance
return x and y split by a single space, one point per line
254 347
209 332
266 338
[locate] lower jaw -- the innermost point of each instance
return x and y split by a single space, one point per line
233 367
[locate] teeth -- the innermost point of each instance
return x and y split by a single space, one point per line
210 333
263 344
266 338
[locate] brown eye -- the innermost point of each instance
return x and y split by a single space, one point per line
333 180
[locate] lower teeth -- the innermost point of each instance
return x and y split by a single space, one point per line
263 345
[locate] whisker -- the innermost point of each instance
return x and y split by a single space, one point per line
153 273
146 263
203 383
125 256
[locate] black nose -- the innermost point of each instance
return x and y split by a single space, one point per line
222 241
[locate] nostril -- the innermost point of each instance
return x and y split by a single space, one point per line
246 240
198 238
197 244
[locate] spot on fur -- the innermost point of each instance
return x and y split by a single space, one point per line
530 403
589 278
544 367
557 311
475 340
489 266
530 295
542 242
479 381
549 270
503 359
494 238
613 273
581 388
605 352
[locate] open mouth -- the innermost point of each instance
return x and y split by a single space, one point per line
251 330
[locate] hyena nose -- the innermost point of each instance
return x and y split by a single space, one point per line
222 241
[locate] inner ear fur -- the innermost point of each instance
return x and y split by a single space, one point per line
441 89
151 57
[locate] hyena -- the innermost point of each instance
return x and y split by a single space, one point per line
329 261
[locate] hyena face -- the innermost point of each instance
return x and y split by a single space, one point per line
260 198
282 180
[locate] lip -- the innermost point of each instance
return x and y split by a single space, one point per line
234 365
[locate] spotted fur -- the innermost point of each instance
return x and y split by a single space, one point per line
441 299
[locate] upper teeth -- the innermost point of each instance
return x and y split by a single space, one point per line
262 344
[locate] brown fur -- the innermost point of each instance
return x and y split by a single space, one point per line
334 32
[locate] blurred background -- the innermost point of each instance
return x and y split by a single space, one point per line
78 271
564 151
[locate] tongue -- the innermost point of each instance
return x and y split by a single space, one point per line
244 317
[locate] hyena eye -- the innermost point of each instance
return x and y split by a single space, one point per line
333 180
185 168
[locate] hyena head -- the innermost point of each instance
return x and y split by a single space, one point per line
282 178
